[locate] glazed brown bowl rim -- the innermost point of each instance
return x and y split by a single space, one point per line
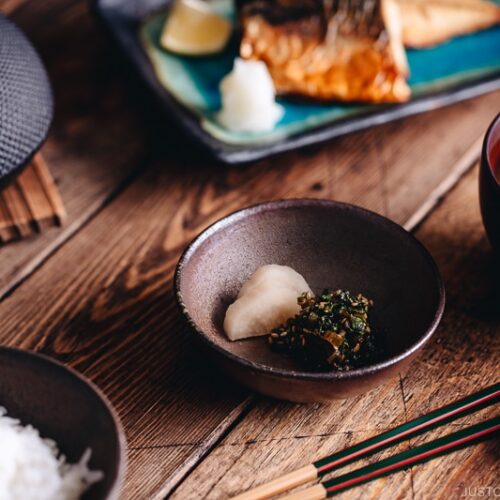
119 480
485 160
241 214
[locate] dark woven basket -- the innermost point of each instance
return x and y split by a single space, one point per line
26 104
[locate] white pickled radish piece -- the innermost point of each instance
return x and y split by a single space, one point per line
267 300
259 311
275 275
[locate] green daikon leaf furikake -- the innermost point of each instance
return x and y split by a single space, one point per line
331 332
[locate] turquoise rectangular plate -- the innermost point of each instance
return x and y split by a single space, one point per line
188 87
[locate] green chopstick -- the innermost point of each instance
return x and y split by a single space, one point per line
428 451
432 420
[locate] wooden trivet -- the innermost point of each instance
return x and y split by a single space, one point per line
30 203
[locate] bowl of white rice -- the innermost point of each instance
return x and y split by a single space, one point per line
60 438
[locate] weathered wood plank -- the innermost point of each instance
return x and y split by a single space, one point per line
103 301
279 436
111 315
116 320
464 356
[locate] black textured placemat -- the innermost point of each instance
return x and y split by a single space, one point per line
26 105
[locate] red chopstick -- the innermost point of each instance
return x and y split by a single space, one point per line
432 420
428 451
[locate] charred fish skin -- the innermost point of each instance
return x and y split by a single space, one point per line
304 18
327 50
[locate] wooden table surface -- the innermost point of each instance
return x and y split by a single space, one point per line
97 293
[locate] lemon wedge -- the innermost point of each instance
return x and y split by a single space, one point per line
193 29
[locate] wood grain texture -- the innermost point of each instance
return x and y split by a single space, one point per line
277 437
465 353
464 356
111 315
136 193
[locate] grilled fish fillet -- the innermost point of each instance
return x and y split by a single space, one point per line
429 22
322 50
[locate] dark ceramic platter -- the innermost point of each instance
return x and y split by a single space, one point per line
123 19
26 105
67 408
333 245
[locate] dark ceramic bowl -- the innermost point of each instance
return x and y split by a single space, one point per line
67 408
489 183
333 245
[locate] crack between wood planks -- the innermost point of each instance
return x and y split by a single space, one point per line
254 441
211 442
233 463
164 446
435 198
371 432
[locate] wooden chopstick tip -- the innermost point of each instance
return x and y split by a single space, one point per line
434 419
281 484
316 492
